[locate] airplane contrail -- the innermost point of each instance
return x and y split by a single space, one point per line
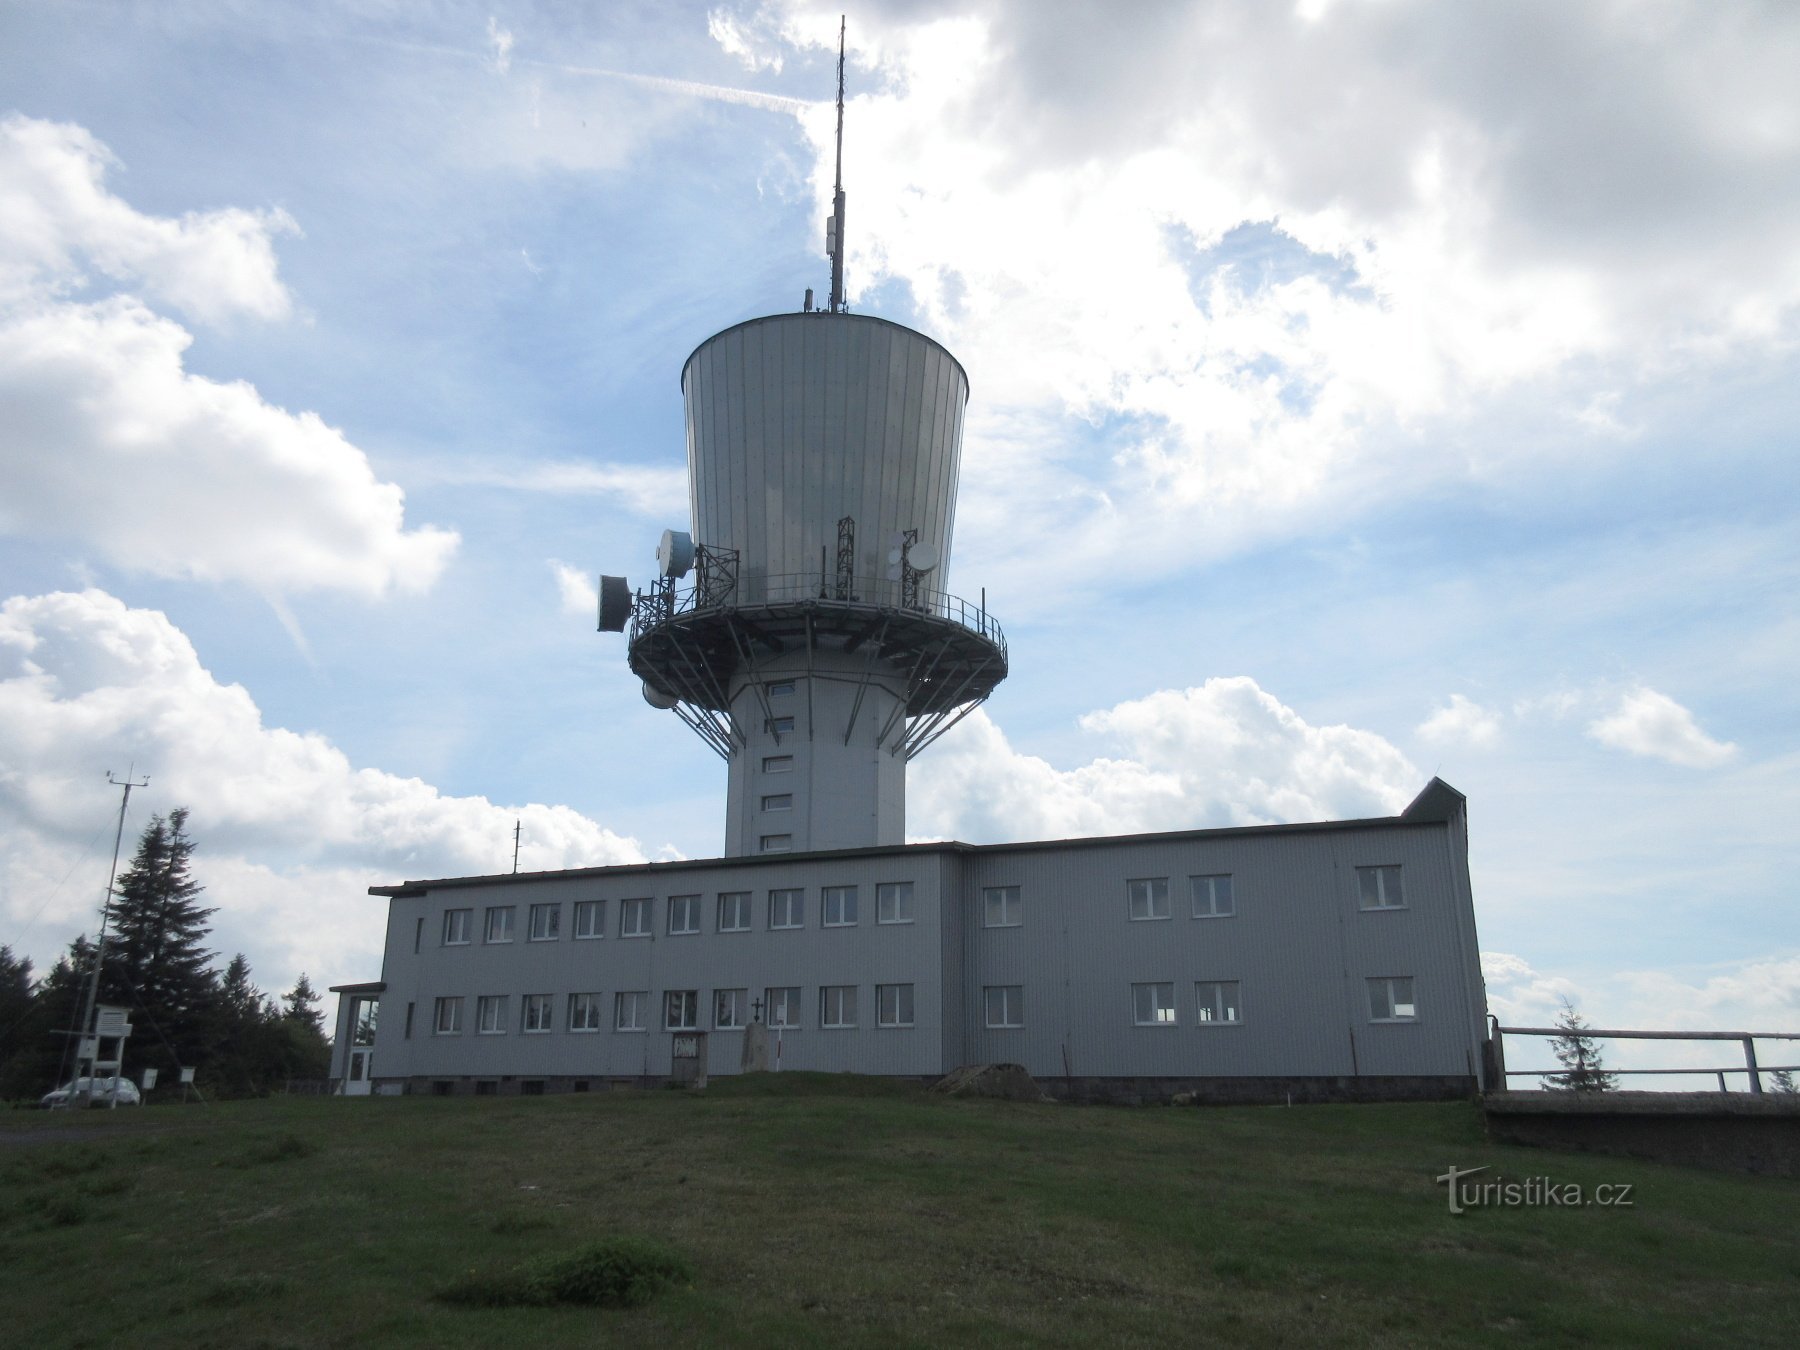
718 93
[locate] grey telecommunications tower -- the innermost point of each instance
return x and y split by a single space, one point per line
802 626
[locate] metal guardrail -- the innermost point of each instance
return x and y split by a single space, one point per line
1747 1039
658 606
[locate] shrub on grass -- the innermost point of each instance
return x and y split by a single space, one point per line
620 1272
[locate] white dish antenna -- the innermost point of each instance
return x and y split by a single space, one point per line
923 557
675 554
657 699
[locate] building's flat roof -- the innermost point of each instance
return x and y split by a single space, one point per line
1435 805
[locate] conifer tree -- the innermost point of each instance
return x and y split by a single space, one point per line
155 963
1579 1054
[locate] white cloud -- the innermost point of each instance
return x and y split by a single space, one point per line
289 829
500 44
106 438
1226 753
641 489
1462 722
1652 724
579 594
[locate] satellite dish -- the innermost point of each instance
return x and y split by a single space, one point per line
895 554
615 604
657 699
923 557
675 554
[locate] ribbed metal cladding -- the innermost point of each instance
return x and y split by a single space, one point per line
797 420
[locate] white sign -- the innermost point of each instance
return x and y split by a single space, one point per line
149 1079
111 1021
187 1075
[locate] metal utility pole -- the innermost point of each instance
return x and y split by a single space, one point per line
517 826
80 1030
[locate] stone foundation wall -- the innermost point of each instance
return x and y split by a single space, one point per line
1724 1131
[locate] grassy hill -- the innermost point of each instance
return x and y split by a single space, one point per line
830 1211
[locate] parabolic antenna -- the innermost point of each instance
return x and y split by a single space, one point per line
657 699
615 604
675 554
923 557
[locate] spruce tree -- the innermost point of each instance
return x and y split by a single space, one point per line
1579 1054
155 963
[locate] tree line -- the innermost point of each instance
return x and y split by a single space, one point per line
183 1011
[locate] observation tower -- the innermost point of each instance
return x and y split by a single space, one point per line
803 626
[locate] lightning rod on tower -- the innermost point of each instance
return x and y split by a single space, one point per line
834 231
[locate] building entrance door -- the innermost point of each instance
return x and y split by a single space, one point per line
356 1081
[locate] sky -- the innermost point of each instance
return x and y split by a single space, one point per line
1361 392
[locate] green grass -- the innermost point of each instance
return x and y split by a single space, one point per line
810 1210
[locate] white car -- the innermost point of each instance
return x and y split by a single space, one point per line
97 1091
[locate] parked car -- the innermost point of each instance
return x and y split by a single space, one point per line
98 1091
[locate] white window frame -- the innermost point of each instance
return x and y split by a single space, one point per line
1219 1003
790 1005
637 1003
1389 887
739 907
1003 1006
1001 907
793 903
1383 993
537 1014
684 909
545 923
778 801
1212 896
490 1015
893 902
779 688
775 843
1160 1015
643 908
893 1005
594 911
498 918
839 900
778 764
1147 899
780 726
837 1006
681 1010
586 1013
458 922
731 1009
446 1017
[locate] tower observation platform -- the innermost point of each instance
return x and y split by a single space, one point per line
803 628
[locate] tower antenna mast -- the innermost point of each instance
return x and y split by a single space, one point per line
836 240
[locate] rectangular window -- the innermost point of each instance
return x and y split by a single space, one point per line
456 927
684 914
1217 1001
784 1006
590 919
1153 1005
778 763
787 909
1391 999
1149 897
630 1009
778 801
1212 896
499 923
894 902
776 843
837 906
418 935
681 1010
490 1015
1000 907
1379 888
634 918
407 1034
781 726
537 1012
446 1017
546 923
731 1008
584 1012
837 1005
1005 1005
780 688
894 1005
734 911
